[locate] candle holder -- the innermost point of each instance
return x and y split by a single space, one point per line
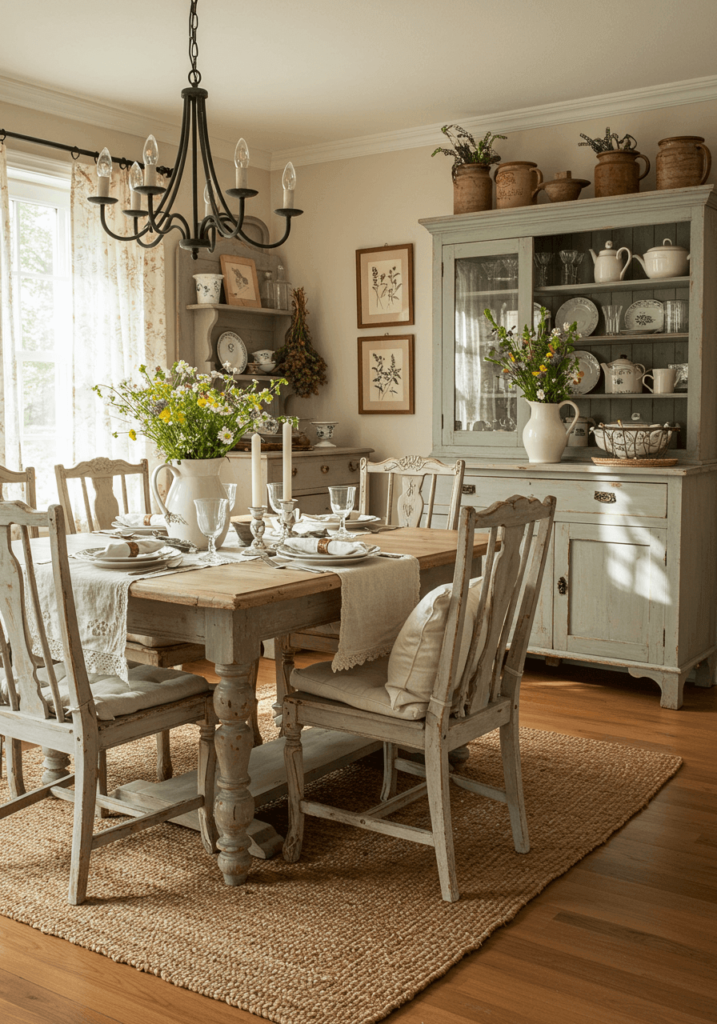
287 519
257 527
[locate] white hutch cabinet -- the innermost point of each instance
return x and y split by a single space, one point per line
632 577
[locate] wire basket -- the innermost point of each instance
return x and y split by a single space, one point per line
635 441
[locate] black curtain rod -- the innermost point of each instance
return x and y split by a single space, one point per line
75 151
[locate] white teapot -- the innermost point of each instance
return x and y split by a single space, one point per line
623 377
607 263
666 260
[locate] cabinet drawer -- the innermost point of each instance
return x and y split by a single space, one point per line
320 471
315 504
591 497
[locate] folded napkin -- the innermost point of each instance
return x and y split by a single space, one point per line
131 548
141 519
309 528
310 546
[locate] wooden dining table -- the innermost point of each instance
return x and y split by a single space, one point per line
230 609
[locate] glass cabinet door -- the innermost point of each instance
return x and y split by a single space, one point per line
477 277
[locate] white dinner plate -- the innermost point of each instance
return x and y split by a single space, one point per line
141 531
591 372
94 556
331 521
231 349
317 559
645 314
583 311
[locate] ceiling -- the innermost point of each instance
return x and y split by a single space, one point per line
288 74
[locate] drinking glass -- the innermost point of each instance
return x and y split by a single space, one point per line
676 314
571 261
211 517
231 490
509 270
612 319
342 500
542 261
276 494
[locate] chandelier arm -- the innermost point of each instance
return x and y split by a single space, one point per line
184 229
266 245
208 162
121 238
176 177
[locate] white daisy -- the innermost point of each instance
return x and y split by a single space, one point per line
541 394
225 435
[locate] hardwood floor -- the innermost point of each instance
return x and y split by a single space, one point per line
628 935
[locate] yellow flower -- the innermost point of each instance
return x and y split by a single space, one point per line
201 402
165 415
133 435
544 369
536 373
181 418
512 359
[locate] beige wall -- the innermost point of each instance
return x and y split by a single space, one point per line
369 201
73 133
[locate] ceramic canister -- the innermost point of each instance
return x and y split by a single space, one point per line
682 161
515 183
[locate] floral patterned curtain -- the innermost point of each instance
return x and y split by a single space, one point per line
10 454
118 312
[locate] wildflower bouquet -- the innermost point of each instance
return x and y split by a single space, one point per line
187 414
537 361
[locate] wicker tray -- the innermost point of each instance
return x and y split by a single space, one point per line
640 463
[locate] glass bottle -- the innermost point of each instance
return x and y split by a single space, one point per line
282 290
267 290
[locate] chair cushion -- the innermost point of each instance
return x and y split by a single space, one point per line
362 687
413 662
147 687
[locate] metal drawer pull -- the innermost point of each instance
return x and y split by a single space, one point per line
294 470
606 497
468 489
562 585
325 469
353 467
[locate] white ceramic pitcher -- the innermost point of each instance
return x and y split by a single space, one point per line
192 478
545 435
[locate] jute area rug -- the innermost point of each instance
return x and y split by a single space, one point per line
358 926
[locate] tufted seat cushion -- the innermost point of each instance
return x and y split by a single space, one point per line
362 687
147 687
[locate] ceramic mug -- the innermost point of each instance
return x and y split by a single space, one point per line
209 287
664 381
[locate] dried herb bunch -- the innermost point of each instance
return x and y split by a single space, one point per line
465 148
610 140
300 363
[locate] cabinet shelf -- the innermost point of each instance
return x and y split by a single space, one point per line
629 339
650 284
259 310
641 394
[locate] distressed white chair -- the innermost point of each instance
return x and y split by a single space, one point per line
468 686
73 717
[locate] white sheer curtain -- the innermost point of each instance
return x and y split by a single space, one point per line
10 453
119 319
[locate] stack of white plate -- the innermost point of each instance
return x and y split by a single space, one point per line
149 561
140 531
333 522
363 551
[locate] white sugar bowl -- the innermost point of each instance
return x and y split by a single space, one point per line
666 260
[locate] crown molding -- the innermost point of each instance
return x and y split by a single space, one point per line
36 167
615 104
77 108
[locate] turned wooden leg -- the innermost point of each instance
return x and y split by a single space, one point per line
234 804
294 765
164 756
205 782
258 738
56 765
459 755
284 655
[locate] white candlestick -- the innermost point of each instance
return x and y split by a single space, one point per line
242 177
288 199
286 440
256 495
103 186
135 201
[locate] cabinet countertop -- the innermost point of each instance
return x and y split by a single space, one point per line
299 454
511 466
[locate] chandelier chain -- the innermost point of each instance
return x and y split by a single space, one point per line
194 75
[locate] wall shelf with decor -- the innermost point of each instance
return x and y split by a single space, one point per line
631 579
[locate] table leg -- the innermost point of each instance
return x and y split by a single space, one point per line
56 765
234 805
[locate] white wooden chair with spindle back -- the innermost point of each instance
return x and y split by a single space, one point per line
100 511
26 477
459 682
73 717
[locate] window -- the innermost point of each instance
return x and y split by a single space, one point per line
42 292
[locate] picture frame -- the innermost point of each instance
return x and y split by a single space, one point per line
241 285
384 286
386 375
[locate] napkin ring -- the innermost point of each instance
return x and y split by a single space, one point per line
133 548
148 520
323 545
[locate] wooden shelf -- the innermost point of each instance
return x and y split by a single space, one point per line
651 284
630 339
260 311
642 394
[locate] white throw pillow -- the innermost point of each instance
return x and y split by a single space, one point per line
413 662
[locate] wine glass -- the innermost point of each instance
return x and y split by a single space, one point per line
211 517
276 494
342 500
231 490
571 261
542 262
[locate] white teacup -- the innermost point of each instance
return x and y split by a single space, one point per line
264 355
663 380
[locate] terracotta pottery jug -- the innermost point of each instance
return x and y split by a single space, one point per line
617 172
472 189
515 183
682 161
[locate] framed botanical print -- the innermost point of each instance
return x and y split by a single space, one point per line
384 286
385 374
241 285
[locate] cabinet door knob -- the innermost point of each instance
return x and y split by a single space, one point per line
468 489
606 497
562 585
325 469
353 467
294 470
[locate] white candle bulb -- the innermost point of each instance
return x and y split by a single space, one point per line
151 156
288 183
286 446
135 181
256 495
104 172
207 201
241 162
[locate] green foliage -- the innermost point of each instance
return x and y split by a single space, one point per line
300 363
538 362
465 148
190 415
610 141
